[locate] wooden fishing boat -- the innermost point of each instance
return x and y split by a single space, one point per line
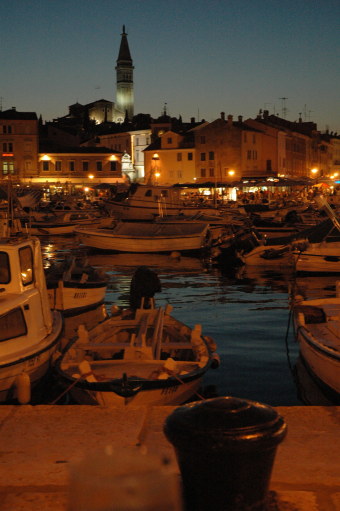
317 330
74 287
64 224
142 357
148 237
29 331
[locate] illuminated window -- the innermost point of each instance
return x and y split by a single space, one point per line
7 167
26 265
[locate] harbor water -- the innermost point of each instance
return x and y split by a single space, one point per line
245 310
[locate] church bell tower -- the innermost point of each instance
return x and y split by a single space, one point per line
124 71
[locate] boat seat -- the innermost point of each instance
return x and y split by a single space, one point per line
94 346
138 348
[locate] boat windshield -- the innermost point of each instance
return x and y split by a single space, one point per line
26 265
5 274
12 325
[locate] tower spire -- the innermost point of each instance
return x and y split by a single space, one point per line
124 73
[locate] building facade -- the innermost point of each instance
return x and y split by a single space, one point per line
80 165
19 142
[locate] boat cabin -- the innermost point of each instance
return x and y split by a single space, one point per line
23 295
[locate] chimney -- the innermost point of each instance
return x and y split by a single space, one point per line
230 120
265 114
192 120
223 116
240 117
14 108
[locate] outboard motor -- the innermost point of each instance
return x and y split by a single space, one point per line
144 284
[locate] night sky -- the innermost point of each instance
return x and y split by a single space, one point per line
199 57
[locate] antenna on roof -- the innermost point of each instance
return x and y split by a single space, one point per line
306 113
284 108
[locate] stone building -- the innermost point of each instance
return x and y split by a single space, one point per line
19 142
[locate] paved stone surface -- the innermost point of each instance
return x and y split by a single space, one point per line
39 444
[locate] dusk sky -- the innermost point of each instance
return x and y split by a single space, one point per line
200 57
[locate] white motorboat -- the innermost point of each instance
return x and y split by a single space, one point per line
29 331
64 224
73 286
318 258
141 357
145 202
321 254
148 237
317 330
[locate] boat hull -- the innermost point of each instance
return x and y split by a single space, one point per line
323 364
317 329
151 239
74 297
318 259
162 393
34 362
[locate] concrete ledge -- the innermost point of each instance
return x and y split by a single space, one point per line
38 443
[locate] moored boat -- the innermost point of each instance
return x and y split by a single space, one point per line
64 224
73 286
317 330
29 331
136 357
145 202
148 237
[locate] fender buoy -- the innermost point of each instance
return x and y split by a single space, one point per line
23 385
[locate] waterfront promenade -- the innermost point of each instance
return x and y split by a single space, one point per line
38 445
